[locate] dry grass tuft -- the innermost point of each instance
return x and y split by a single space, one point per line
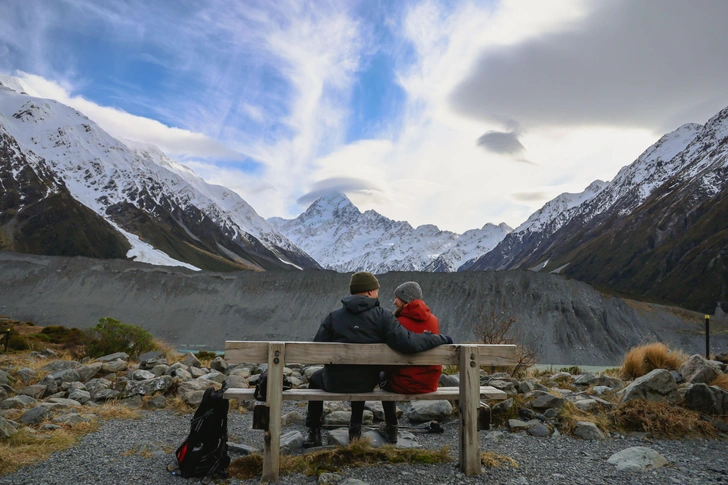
721 381
646 358
26 448
570 415
493 460
177 405
661 420
168 351
359 453
114 410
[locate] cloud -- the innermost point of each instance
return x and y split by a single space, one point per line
530 196
633 64
501 142
342 185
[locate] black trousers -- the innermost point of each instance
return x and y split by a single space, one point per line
314 418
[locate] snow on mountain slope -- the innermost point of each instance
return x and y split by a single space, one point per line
342 238
104 174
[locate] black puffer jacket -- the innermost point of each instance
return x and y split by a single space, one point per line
363 321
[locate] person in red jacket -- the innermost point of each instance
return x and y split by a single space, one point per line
414 315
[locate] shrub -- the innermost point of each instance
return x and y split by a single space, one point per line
58 334
721 381
204 354
661 420
17 342
111 336
646 358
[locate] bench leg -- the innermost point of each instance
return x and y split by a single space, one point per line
274 400
469 402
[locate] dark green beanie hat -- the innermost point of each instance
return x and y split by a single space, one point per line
362 282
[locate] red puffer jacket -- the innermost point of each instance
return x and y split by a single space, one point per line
415 379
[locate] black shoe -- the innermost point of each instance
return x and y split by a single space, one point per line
354 433
389 432
313 439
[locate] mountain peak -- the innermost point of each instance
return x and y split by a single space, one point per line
332 199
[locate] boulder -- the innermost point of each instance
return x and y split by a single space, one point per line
505 386
518 425
6 379
194 385
342 418
142 375
18 402
590 379
308 371
450 380
586 404
243 372
6 429
637 459
291 442
421 411
503 406
722 357
599 390
26 374
51 385
74 418
214 376
658 385
697 369
148 387
35 415
160 369
548 401
105 395
526 386
59 365
88 372
115 356
67 375
193 398
150 359
157 402
63 402
35 391
181 374
539 430
292 418
80 396
588 431
73 386
236 382
219 364
196 372
95 385
191 361
3 394
133 402
706 399
117 365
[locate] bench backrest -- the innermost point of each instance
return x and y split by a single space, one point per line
251 352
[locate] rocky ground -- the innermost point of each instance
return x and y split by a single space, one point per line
534 427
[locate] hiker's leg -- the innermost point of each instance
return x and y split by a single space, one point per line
315 408
390 412
357 412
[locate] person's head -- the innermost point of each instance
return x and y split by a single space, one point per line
405 293
364 283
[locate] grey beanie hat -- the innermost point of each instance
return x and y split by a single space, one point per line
408 291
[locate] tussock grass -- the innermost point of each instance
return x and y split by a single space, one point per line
661 420
26 448
721 381
180 407
493 460
644 359
359 453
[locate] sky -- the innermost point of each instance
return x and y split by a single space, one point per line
454 113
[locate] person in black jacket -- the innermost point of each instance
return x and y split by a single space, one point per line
361 320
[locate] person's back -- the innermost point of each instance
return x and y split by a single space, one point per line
415 379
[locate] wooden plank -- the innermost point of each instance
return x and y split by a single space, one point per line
274 401
469 402
447 393
365 354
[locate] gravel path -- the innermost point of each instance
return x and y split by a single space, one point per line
106 457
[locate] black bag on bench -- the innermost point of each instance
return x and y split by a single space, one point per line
204 452
261 387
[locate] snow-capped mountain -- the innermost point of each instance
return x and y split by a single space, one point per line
631 187
342 238
167 213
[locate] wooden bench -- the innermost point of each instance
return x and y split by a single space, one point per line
469 357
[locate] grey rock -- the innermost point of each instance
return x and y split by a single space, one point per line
586 404
59 365
539 430
6 429
196 372
148 387
150 359
421 411
195 385
157 402
291 442
105 395
80 395
706 399
35 415
193 398
526 387
376 408
67 375
35 391
503 406
181 374
191 360
50 427
308 371
18 402
548 401
214 376
588 431
141 375
292 418
678 378
329 478
70 403
112 357
450 380
88 372
6 379
550 413
241 449
3 394
636 459
243 372
26 374
353 481
114 366
253 379
74 418
74 386
133 402
236 382
342 418
506 386
219 364
658 385
517 424
160 369
599 390
697 369
95 385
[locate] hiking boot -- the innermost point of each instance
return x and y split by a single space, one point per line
313 439
389 432
354 433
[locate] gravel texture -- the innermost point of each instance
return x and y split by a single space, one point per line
108 457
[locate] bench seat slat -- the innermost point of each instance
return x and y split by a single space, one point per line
446 393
